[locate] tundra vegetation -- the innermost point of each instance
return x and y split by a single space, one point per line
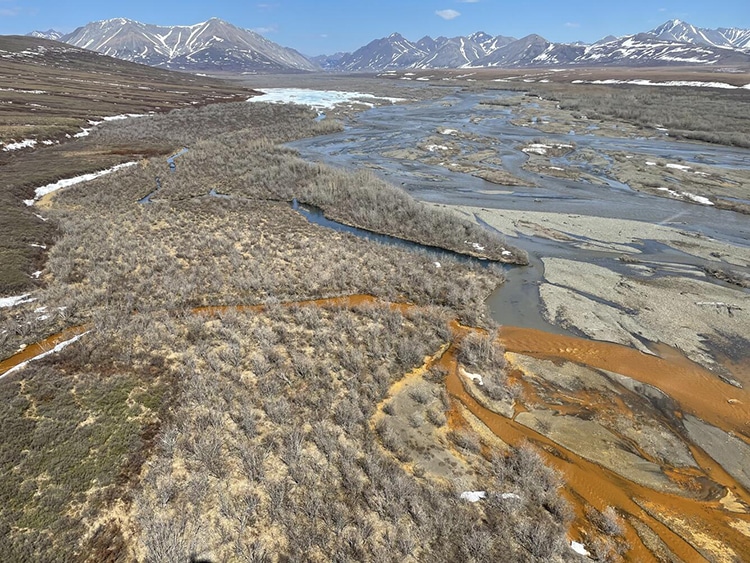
52 93
215 410
711 115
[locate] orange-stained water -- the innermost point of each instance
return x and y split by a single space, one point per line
39 348
696 390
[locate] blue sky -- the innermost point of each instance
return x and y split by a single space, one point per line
326 26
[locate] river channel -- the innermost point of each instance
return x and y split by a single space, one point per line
698 504
388 128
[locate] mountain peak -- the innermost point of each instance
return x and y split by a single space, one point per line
52 34
213 45
480 36
116 21
672 26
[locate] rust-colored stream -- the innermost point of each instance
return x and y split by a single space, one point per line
694 390
34 350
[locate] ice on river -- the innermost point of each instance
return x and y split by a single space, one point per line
318 99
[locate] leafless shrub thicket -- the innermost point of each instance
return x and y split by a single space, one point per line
233 151
482 353
279 463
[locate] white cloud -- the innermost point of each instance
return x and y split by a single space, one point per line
448 14
572 24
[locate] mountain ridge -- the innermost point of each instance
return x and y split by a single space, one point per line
216 46
210 46
672 43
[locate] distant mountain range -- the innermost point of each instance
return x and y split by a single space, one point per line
216 45
210 46
674 42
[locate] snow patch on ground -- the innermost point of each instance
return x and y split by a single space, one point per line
15 300
536 148
123 116
319 99
474 245
473 376
448 131
49 188
25 144
696 198
23 91
678 166
579 548
473 496
642 82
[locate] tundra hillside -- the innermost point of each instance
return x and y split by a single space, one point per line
52 93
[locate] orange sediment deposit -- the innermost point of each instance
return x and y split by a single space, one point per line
709 488
698 391
590 484
341 301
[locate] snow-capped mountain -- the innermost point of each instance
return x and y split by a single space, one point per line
674 42
392 52
456 52
49 34
210 46
676 30
645 49
395 52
